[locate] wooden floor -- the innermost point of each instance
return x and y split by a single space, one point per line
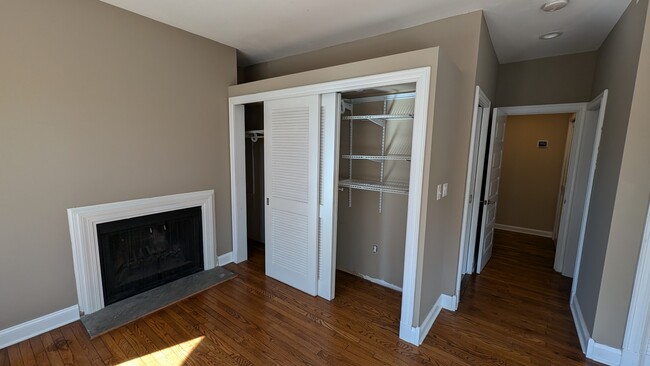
515 313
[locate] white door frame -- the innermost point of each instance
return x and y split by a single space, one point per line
580 110
421 77
477 144
637 331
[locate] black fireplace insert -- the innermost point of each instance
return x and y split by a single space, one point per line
144 252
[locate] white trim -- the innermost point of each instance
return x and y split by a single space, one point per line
581 326
603 353
543 109
421 77
635 343
34 327
85 248
593 350
449 302
416 335
599 102
224 259
237 130
373 280
524 230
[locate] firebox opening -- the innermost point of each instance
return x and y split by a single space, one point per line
144 252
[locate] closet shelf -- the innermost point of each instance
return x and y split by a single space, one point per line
378 157
378 119
368 185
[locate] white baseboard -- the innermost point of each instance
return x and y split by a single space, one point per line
603 353
224 259
523 230
37 326
372 279
449 302
594 351
581 326
416 335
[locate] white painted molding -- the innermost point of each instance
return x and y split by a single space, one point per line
543 109
581 326
603 354
523 230
416 335
224 259
449 302
85 248
594 351
37 326
373 280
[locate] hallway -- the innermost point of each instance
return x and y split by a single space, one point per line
517 310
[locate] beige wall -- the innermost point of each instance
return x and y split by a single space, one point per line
530 176
98 105
618 60
551 80
629 96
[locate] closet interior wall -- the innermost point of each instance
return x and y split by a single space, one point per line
360 223
254 119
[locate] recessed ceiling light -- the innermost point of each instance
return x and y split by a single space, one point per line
550 35
555 5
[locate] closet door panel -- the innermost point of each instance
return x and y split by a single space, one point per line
291 184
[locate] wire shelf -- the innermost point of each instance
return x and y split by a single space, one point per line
378 119
367 185
378 157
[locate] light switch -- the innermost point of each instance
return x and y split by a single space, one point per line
444 190
439 193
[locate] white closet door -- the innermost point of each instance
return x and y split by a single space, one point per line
329 171
291 154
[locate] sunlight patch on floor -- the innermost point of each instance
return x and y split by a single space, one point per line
173 356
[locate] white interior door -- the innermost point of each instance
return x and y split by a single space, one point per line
291 154
491 194
330 122
478 143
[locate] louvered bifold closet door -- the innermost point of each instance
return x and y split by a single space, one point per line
291 154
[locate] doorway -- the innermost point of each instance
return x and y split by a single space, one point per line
579 174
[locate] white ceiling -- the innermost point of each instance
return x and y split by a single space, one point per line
264 30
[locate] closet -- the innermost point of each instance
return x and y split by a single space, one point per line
351 163
376 130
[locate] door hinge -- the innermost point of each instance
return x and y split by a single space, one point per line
267 201
471 198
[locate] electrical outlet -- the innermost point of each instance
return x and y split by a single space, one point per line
439 192
444 190
374 248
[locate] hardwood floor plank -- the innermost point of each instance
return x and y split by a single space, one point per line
15 359
40 355
50 348
515 313
4 357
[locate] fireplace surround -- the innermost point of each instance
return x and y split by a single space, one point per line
84 221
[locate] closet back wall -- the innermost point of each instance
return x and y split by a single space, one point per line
361 226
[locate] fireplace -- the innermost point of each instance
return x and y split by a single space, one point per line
144 252
122 248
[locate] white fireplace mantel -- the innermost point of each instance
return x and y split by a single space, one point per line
85 248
